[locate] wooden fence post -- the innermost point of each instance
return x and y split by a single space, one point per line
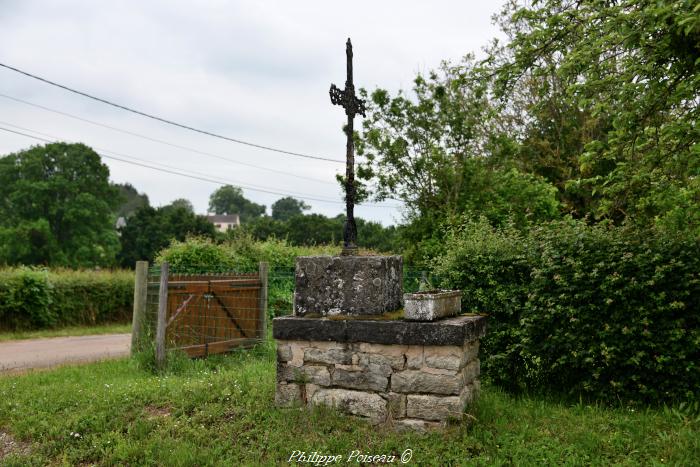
162 310
139 330
262 271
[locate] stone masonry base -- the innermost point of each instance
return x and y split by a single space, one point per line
410 386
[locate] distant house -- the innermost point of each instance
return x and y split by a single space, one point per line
120 224
223 222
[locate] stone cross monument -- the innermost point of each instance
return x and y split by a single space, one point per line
353 105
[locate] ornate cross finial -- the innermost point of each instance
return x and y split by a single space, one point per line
353 106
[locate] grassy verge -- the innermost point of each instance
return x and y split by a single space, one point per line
220 412
117 328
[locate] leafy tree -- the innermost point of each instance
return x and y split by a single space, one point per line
57 207
263 228
446 152
633 66
131 199
284 208
149 230
416 149
182 203
317 229
230 200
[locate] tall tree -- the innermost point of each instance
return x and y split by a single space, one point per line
317 229
230 200
445 152
57 207
131 199
149 230
284 208
634 65
182 203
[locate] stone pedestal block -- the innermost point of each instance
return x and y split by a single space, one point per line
348 285
409 375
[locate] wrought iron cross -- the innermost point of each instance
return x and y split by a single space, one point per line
353 105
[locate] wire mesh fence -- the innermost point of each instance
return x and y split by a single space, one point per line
208 313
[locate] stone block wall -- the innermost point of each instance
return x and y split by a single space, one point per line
411 386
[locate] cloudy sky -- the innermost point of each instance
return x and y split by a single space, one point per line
251 70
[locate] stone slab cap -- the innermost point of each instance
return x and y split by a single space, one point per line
348 285
449 331
429 306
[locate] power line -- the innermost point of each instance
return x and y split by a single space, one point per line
202 178
143 163
231 181
156 140
169 122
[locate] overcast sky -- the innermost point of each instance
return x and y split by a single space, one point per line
251 70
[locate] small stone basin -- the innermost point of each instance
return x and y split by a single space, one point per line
432 305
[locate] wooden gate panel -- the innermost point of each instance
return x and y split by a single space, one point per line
236 309
213 314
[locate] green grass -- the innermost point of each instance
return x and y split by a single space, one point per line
116 328
220 412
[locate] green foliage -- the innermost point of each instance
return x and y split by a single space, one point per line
598 100
285 208
39 298
131 199
56 207
182 203
92 297
631 69
149 230
230 200
605 312
492 268
317 229
446 153
416 149
26 299
197 255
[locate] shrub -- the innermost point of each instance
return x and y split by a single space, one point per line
196 255
92 297
39 298
610 313
25 299
492 268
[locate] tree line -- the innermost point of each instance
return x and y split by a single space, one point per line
58 208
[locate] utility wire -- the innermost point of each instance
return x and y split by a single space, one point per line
155 140
114 153
169 122
142 163
202 178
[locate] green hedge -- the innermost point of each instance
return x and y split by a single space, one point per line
608 313
39 298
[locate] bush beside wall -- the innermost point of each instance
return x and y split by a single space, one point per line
608 313
37 298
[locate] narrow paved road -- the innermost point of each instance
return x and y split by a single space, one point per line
17 356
